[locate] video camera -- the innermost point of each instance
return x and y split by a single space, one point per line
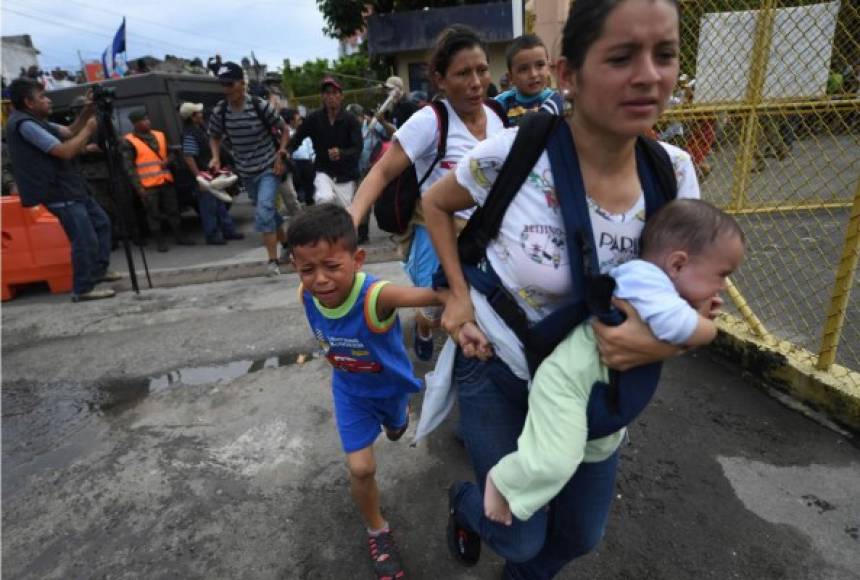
103 97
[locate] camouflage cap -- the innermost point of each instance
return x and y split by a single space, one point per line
137 115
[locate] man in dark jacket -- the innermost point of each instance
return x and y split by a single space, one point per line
336 136
42 154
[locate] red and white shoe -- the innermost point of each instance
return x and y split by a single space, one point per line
208 183
224 179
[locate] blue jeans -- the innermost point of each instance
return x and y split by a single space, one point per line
493 407
214 217
89 231
262 189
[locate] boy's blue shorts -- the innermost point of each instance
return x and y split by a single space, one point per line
359 419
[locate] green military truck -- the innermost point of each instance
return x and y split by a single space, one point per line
160 94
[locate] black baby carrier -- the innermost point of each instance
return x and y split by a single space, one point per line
614 405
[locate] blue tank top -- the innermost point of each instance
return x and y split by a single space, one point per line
367 354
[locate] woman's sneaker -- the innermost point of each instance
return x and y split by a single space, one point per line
386 557
423 346
464 544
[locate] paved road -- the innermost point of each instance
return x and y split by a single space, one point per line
174 436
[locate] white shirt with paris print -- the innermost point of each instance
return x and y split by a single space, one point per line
419 137
530 254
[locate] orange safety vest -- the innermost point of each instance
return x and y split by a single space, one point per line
150 165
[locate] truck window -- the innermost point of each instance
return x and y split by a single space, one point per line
120 117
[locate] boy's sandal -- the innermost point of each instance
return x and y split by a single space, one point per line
386 557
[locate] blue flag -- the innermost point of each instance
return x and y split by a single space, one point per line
113 58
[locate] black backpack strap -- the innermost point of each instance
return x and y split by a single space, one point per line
261 114
499 110
221 110
484 225
441 146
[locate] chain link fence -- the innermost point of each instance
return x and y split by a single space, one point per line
768 107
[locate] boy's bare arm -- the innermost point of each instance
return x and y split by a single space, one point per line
392 297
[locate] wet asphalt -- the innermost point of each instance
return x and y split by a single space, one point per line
187 433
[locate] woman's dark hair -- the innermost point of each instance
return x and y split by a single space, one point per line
22 89
327 222
585 25
690 225
449 42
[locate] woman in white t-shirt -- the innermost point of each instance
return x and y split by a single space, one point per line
459 69
619 65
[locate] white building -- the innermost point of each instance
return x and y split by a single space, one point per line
18 52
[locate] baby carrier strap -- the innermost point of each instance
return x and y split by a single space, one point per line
615 404
651 153
486 221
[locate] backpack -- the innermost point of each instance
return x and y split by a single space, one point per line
396 203
271 129
258 104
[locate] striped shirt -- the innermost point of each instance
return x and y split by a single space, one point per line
189 145
250 143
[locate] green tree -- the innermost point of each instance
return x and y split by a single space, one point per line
344 17
352 72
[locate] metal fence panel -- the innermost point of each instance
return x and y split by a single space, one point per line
768 107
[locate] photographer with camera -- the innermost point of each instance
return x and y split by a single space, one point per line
42 155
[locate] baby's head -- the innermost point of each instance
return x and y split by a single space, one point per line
697 245
528 64
325 253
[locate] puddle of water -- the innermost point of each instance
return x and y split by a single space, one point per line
48 426
193 376
120 395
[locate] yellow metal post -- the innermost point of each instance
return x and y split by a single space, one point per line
842 287
746 312
755 86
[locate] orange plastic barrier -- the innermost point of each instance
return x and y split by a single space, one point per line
34 248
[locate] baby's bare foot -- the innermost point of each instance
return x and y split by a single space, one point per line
496 507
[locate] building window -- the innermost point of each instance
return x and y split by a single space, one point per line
419 80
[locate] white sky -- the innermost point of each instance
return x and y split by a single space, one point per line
273 29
